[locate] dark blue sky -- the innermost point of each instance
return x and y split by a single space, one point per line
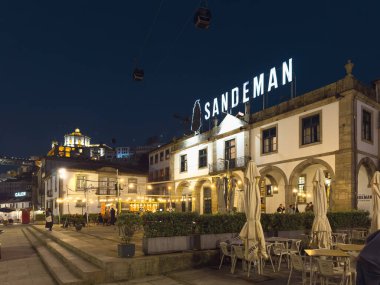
68 64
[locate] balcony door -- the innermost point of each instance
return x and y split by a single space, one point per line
230 154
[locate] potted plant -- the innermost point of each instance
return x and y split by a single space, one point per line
78 223
128 224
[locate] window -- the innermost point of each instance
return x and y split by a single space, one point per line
161 156
167 154
81 183
161 173
151 160
183 163
311 129
269 140
366 125
301 194
156 158
207 200
107 186
202 158
230 153
132 185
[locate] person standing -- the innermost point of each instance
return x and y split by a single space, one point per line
106 217
112 212
49 219
368 262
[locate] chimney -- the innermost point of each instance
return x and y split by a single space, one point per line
215 122
376 84
247 111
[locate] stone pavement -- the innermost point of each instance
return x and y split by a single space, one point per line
21 265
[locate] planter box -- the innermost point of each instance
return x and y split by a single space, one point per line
160 245
211 241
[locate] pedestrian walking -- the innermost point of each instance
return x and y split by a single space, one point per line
113 213
49 219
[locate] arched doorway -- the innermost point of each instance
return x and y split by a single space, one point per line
205 197
186 201
301 183
273 185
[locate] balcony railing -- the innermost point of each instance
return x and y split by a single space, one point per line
105 191
158 179
225 165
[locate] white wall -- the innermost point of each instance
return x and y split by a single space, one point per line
288 133
192 162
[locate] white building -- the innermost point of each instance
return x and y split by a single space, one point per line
81 188
334 128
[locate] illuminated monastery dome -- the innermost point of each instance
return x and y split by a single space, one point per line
77 139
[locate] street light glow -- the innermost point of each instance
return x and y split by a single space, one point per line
62 173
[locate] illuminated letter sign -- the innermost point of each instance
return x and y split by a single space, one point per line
249 90
20 194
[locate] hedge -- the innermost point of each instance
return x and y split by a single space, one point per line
181 224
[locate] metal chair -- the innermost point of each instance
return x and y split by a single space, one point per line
268 247
298 264
280 250
238 253
295 246
327 271
224 252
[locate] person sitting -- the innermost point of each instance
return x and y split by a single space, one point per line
291 209
280 209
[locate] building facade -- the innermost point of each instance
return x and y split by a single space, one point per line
335 128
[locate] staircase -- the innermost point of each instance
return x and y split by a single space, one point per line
67 265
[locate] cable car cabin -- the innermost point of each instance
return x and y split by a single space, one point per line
138 74
202 18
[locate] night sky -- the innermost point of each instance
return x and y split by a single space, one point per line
68 64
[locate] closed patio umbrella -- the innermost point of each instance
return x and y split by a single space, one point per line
375 185
252 232
221 201
321 229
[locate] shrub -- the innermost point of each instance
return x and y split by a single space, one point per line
182 224
128 223
164 224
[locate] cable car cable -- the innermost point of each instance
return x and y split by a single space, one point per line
150 30
177 37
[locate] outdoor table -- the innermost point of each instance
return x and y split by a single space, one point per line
279 239
325 252
350 247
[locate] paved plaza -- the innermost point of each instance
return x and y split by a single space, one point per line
21 265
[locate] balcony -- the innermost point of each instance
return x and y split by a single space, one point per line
105 191
223 165
158 179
